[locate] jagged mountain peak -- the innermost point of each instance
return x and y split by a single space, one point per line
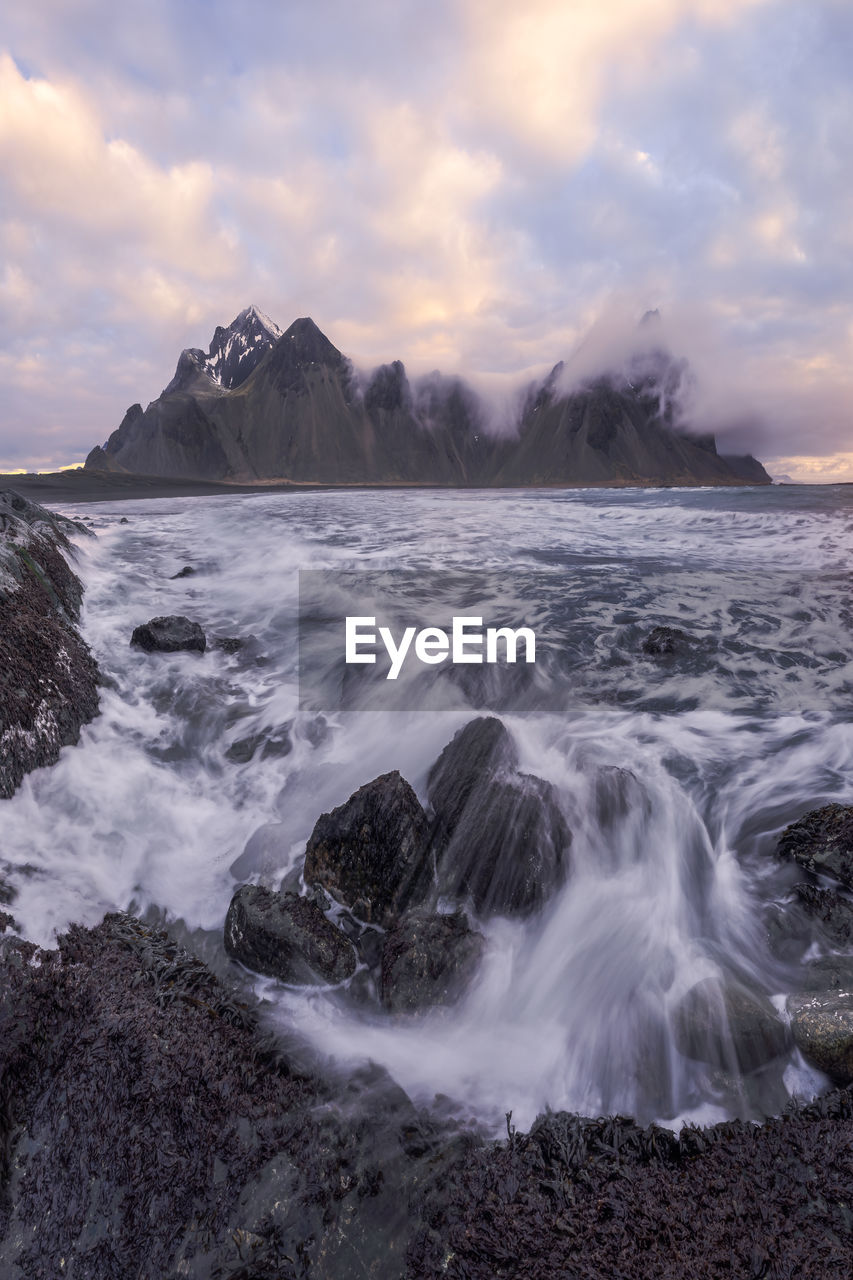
237 351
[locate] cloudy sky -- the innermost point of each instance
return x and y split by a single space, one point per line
476 185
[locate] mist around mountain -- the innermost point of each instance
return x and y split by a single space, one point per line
262 405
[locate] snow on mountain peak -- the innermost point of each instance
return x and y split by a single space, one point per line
236 351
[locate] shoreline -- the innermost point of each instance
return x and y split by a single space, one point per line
100 486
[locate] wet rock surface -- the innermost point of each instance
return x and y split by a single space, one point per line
822 1026
822 842
187 572
371 853
428 960
830 913
48 678
268 742
286 936
170 634
499 836
667 642
728 1026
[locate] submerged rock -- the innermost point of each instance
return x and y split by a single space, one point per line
822 1026
371 853
169 635
716 1023
187 572
667 642
832 973
822 842
272 742
48 678
428 960
285 936
499 836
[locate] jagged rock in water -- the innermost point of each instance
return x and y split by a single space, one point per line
499 836
287 937
726 1025
48 678
667 642
481 749
371 853
187 572
169 635
832 913
822 842
428 960
822 1026
617 795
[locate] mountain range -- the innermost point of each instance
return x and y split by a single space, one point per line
263 405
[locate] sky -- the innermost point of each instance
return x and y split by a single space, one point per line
479 186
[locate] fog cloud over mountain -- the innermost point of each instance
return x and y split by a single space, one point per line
484 189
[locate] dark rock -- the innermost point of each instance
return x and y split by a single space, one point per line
169 635
286 937
728 1026
371 853
822 842
822 1026
482 749
124 520
428 960
228 644
667 642
499 835
832 913
832 973
48 678
274 742
618 793
187 572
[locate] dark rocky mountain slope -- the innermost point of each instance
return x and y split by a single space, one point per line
262 405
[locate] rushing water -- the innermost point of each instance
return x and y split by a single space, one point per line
572 1008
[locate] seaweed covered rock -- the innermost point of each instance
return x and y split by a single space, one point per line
48 678
822 842
371 853
170 634
822 1026
728 1026
428 960
499 836
286 936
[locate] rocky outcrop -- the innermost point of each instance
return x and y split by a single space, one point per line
286 936
499 836
48 678
428 960
371 853
170 634
822 842
822 1026
728 1026
267 405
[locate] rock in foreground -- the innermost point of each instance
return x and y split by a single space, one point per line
286 936
371 853
822 1025
48 678
169 635
822 842
428 960
728 1026
499 835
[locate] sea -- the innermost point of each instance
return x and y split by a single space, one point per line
723 745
